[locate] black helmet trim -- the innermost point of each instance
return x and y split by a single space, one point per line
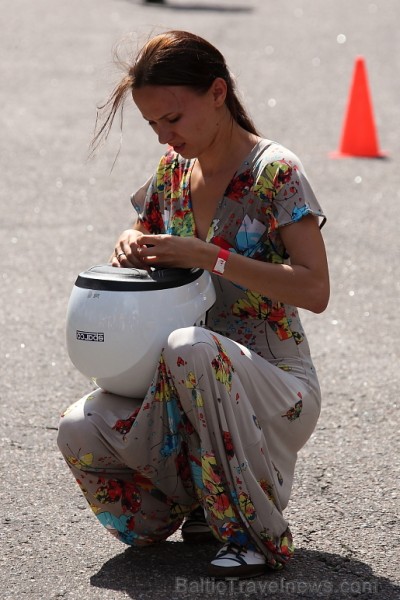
108 278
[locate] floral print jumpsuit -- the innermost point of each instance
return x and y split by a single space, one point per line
230 404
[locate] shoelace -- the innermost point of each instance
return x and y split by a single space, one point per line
230 548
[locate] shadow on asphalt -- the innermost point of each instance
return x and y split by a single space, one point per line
173 570
203 7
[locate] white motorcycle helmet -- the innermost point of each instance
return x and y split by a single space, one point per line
118 321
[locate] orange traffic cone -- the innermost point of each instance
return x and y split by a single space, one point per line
359 137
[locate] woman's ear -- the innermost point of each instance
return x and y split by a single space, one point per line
219 90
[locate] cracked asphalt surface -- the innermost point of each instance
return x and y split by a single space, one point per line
60 214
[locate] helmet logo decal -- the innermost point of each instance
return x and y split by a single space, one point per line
90 336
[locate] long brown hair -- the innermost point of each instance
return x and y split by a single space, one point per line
172 58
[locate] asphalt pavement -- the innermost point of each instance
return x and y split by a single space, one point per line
61 213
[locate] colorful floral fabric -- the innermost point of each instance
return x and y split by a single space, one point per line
269 191
230 404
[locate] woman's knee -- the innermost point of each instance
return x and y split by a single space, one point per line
186 337
67 422
74 427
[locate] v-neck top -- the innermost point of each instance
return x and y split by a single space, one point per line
269 190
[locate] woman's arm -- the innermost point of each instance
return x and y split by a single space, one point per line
303 283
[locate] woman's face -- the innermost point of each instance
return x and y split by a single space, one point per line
182 118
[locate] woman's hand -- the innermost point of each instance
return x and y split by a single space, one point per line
139 249
165 250
126 250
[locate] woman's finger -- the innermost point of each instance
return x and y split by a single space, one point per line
149 240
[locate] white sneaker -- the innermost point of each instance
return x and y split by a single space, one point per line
237 561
